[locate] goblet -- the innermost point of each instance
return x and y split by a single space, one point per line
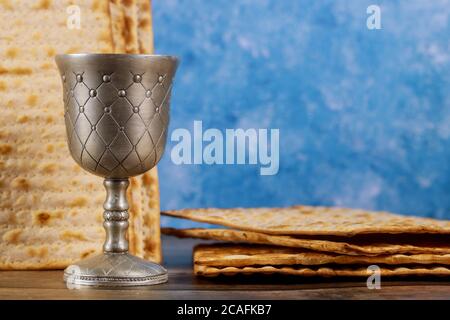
116 110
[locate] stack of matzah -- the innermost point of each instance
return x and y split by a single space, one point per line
50 209
317 241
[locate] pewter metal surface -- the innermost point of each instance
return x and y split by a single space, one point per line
114 270
116 110
116 215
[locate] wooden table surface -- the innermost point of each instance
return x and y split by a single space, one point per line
183 285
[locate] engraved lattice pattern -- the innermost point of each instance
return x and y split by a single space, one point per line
116 122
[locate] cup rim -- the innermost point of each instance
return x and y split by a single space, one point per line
116 55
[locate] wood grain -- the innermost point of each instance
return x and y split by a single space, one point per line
183 285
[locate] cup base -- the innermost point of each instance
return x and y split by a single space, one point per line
114 270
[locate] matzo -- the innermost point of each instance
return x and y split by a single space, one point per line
392 271
50 210
247 255
146 242
151 235
306 220
215 260
344 247
145 31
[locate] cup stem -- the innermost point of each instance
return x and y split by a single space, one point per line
116 215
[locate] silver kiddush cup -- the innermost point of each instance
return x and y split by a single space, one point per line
116 110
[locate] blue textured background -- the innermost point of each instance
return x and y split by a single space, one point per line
364 115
